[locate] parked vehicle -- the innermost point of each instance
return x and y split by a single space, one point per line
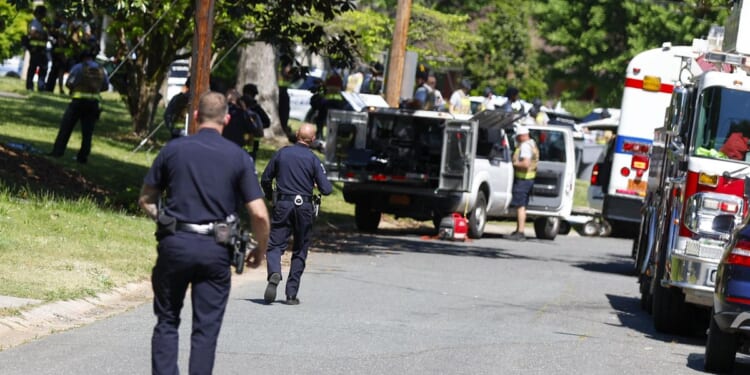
695 183
427 165
729 328
178 74
300 93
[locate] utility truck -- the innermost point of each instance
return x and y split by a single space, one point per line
428 165
697 168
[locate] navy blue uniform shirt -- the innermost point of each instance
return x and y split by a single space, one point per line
295 168
205 175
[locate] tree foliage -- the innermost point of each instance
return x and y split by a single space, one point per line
588 43
13 23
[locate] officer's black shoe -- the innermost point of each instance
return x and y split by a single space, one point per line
292 300
273 282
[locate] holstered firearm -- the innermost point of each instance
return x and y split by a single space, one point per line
316 199
241 243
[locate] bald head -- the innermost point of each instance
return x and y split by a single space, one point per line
306 133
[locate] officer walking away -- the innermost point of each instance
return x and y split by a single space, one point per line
205 177
296 171
37 45
85 81
525 159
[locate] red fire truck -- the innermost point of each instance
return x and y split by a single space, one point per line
699 161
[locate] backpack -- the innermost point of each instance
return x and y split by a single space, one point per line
255 122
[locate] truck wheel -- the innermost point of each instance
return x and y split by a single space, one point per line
565 227
645 289
721 349
478 217
546 228
366 218
605 230
668 304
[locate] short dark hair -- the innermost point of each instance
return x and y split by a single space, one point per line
212 107
40 10
250 90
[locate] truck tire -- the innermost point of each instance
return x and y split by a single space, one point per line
721 349
366 219
668 307
590 228
478 217
546 228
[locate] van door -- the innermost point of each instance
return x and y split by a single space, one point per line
459 151
554 185
346 138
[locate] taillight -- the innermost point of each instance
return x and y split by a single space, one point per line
639 162
636 147
595 175
710 213
625 172
740 254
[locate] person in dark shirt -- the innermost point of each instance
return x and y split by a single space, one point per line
204 177
296 171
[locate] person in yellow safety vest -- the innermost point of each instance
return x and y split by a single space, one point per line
459 102
85 81
37 45
525 160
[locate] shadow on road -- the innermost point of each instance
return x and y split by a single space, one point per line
614 263
365 244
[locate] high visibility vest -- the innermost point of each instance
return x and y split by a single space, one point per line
530 172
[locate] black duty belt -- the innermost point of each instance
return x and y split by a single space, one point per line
297 199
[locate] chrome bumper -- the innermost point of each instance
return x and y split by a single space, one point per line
695 276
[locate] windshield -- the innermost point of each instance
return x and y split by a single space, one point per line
723 130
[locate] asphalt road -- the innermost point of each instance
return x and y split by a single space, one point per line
400 304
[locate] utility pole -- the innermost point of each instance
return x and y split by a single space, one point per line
200 69
398 54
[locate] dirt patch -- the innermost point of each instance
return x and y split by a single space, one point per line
23 168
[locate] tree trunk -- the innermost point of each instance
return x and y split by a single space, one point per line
257 64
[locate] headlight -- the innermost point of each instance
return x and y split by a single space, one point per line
712 213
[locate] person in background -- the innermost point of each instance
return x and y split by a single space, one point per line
175 115
37 45
424 96
488 104
256 112
58 37
459 102
85 81
296 171
513 104
286 76
332 99
373 82
525 159
189 253
240 128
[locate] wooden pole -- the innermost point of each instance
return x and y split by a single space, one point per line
200 70
398 54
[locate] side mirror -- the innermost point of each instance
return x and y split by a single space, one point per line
677 111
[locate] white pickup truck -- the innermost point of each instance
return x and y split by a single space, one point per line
427 165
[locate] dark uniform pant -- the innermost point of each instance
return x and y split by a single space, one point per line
196 260
289 219
85 110
37 60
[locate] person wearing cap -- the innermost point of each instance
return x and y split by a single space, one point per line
459 102
525 159
85 81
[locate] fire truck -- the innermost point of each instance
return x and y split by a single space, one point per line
698 163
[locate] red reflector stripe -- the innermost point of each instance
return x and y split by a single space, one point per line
638 84
743 301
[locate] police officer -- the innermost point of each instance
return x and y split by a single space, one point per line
37 45
85 81
296 171
331 99
205 176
